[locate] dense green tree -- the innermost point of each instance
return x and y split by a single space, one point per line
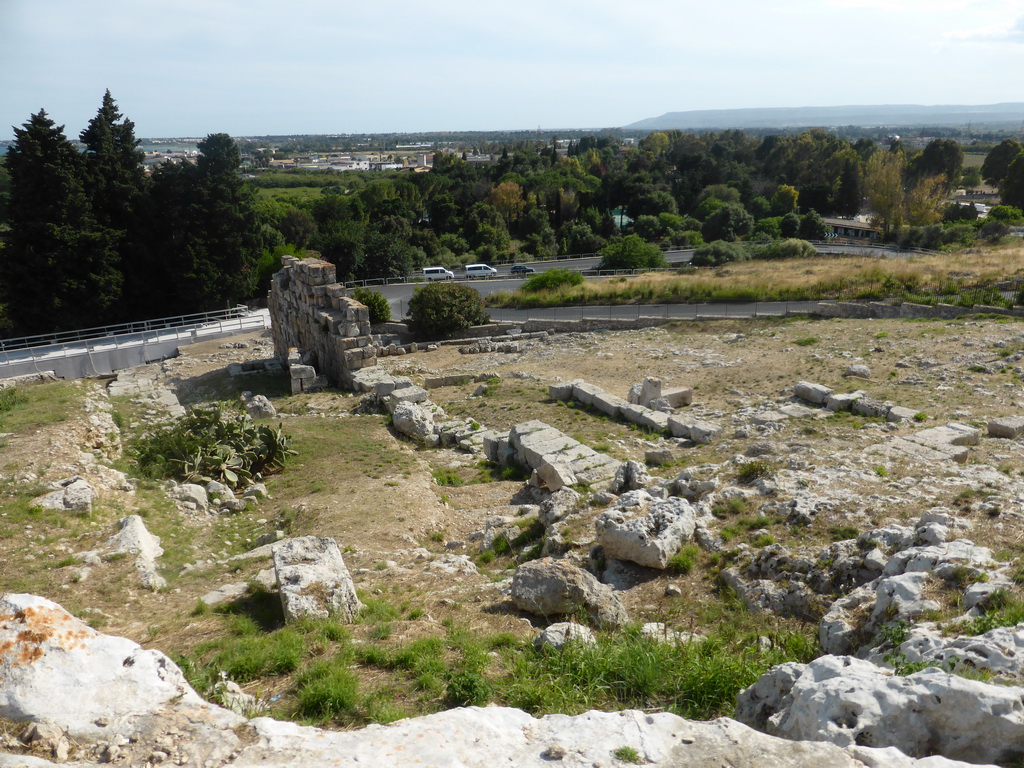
940 157
849 190
789 225
298 227
883 187
729 223
1011 188
997 162
812 227
580 238
207 229
5 191
1007 213
631 252
485 228
57 271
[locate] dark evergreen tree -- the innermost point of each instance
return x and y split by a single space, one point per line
226 224
116 186
849 192
57 271
993 170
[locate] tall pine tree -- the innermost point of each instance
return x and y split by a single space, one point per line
116 185
57 271
207 227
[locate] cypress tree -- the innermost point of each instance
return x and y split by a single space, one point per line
116 185
57 271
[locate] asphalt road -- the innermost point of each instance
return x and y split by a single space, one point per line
398 294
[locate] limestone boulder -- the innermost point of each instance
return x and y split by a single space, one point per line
550 587
415 421
313 580
132 538
564 632
54 666
848 701
72 494
648 535
260 407
191 493
475 737
818 394
630 476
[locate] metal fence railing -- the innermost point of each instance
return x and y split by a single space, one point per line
139 326
85 353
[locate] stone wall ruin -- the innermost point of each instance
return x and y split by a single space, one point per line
316 327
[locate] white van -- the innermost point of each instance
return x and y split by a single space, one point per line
480 270
437 273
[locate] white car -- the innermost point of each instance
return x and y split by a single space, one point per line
437 273
480 270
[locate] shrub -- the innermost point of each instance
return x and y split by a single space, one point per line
210 445
631 252
380 309
717 253
438 310
1007 213
754 470
552 279
791 248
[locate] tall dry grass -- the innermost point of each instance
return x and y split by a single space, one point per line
792 280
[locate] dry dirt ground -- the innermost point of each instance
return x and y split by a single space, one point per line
408 539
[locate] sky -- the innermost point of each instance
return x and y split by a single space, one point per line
252 67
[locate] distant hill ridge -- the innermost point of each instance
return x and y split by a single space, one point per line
1009 113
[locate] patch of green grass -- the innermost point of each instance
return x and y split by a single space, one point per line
447 477
730 507
843 532
880 471
376 610
684 560
1002 609
37 405
627 755
807 341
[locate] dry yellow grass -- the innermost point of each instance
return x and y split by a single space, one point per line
791 279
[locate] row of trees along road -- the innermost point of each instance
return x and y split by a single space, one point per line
93 240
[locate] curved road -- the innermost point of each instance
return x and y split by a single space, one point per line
398 294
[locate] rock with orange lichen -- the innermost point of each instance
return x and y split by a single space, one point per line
55 667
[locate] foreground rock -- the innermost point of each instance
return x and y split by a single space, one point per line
848 701
102 690
115 703
313 580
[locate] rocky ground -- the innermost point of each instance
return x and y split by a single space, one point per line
891 540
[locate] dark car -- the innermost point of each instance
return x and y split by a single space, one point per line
522 269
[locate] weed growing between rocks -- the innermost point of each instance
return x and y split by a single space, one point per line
327 674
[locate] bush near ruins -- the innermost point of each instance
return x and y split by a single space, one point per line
719 252
438 310
208 444
380 309
551 279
